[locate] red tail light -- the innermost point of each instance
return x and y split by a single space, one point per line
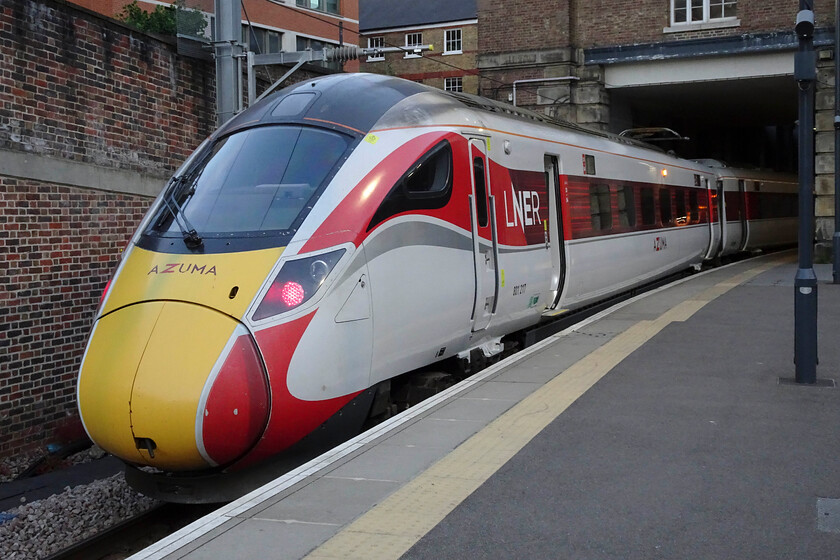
291 294
297 281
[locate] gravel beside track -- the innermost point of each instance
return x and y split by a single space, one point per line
12 467
47 526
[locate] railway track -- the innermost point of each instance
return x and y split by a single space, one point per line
134 534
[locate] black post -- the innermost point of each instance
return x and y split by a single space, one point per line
805 283
836 238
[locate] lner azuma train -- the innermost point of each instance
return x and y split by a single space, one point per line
352 228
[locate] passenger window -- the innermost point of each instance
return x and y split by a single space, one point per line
626 207
600 208
693 208
648 207
765 207
665 206
791 206
679 200
777 205
432 175
480 192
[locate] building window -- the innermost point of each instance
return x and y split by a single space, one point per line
375 43
452 41
262 41
700 11
412 41
305 43
453 84
329 6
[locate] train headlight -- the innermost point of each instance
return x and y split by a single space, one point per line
319 270
297 281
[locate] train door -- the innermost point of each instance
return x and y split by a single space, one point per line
715 237
485 240
721 216
555 229
742 202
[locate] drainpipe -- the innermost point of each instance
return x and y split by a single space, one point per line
560 79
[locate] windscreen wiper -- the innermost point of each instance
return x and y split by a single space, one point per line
191 237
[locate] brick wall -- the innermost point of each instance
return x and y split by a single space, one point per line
60 244
528 40
93 117
86 89
624 22
522 25
619 22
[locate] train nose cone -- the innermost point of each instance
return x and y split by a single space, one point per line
153 381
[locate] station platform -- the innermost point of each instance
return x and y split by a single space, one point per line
661 428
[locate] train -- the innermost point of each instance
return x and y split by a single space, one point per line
352 228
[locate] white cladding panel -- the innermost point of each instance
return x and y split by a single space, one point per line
772 232
734 237
599 267
524 291
328 348
422 288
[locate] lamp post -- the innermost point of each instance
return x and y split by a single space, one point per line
805 283
836 238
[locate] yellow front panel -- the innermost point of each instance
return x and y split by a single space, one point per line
107 376
186 342
204 279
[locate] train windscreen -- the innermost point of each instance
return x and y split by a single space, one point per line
253 182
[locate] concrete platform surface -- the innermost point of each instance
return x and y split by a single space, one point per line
657 429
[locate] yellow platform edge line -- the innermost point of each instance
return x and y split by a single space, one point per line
393 526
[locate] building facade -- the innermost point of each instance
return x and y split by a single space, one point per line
450 27
271 26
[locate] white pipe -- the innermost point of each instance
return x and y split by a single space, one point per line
532 80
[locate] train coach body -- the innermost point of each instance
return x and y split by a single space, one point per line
351 229
758 209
